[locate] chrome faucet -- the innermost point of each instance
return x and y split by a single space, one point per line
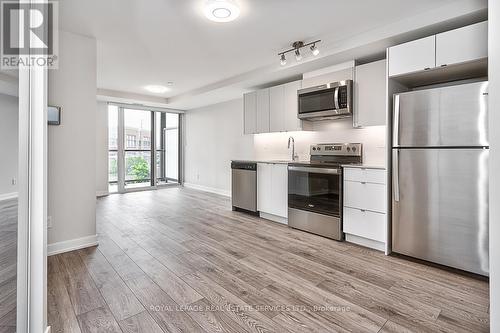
291 141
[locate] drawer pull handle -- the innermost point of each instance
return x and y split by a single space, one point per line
363 210
364 183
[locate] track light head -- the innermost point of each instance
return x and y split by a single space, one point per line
314 50
283 59
298 56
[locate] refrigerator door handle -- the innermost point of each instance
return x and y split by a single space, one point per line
395 174
395 138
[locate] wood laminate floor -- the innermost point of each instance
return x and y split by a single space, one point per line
179 260
8 267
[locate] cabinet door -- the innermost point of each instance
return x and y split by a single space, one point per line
250 113
277 108
280 190
292 122
264 187
461 45
414 56
370 94
263 111
343 74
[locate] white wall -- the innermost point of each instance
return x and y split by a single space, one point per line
494 119
72 145
101 139
214 136
9 120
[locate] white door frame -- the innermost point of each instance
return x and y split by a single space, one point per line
32 200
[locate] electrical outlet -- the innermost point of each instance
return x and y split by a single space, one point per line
49 222
14 181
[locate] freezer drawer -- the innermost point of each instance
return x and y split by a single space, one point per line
440 206
453 116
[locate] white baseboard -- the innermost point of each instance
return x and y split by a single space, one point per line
208 189
274 218
99 194
373 244
8 196
71 245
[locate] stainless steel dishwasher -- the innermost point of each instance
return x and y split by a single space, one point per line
244 186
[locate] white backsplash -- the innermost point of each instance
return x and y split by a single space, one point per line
273 146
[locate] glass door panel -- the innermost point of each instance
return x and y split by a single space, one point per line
112 148
167 147
137 148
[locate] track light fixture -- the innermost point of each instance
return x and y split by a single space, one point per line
296 46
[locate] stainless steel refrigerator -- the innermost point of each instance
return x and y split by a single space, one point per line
440 176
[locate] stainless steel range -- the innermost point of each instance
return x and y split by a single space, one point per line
315 188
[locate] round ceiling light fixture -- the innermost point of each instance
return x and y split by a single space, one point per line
221 10
156 89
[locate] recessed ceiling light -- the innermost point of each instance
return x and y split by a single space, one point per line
221 10
155 89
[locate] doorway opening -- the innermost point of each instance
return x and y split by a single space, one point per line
143 148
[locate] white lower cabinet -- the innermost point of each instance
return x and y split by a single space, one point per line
365 223
365 207
272 191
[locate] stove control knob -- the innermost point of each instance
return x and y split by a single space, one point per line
314 148
348 148
353 148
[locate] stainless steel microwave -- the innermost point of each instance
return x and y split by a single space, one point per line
328 101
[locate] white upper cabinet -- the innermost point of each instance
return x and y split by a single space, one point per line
370 94
462 45
277 108
414 56
250 112
453 47
340 75
273 109
292 122
263 111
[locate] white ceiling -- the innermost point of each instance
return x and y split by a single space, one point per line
142 42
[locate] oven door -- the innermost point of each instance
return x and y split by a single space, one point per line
315 189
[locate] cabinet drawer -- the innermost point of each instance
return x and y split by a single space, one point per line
376 176
366 196
365 224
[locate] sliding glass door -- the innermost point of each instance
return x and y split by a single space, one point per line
143 148
167 147
137 148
